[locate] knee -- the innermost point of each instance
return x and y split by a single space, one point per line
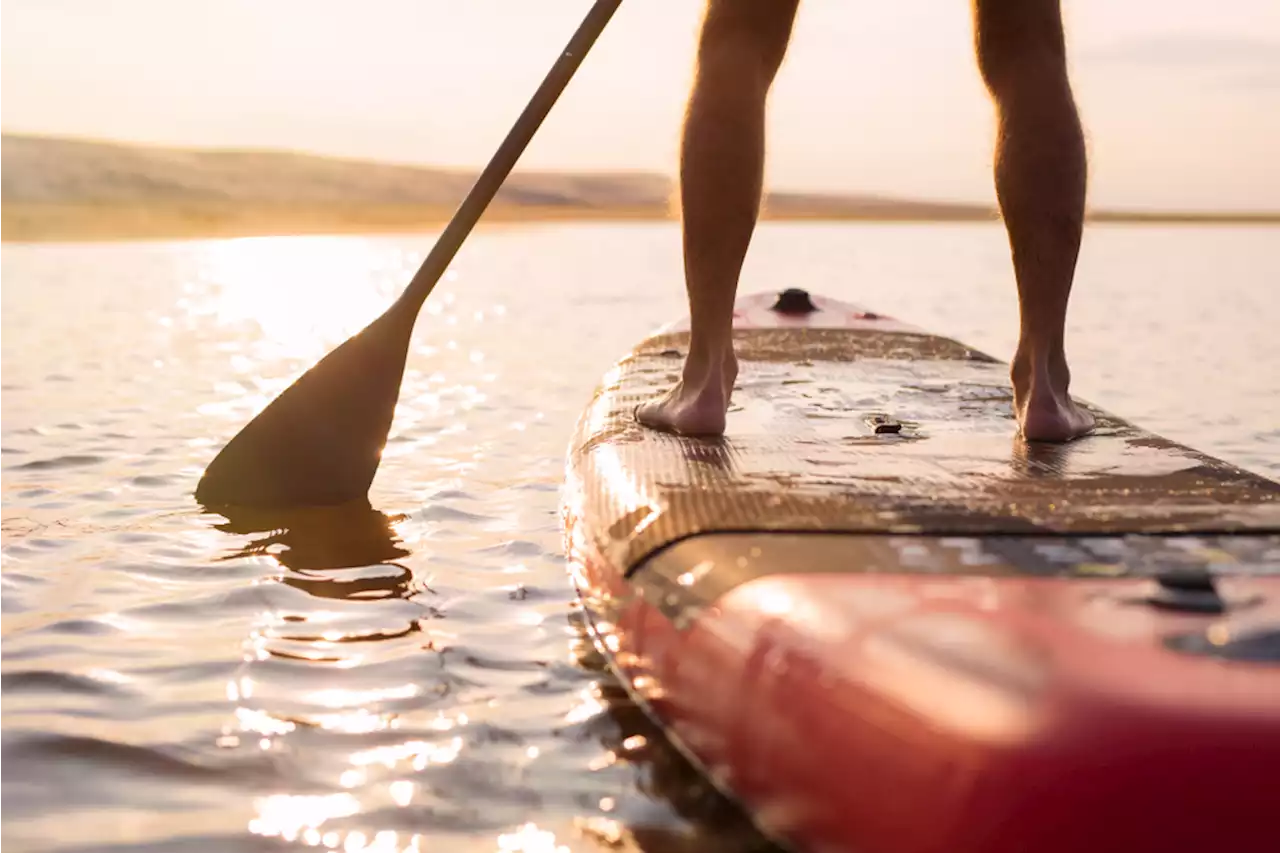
747 34
1021 48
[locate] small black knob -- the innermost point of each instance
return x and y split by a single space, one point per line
793 300
1187 580
1187 589
882 424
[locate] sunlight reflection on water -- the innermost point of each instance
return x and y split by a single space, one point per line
301 296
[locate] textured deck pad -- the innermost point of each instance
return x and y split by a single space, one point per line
799 455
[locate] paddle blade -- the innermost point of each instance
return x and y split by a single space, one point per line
319 443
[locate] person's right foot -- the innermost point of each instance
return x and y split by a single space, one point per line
1042 401
1048 418
698 403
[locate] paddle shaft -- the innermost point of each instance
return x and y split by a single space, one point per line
490 180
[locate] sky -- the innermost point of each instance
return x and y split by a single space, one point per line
1180 98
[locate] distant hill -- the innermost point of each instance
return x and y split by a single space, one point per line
56 189
40 170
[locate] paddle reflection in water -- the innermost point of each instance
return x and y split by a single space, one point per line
334 691
315 544
369 698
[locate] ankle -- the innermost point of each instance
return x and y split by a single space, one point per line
1039 375
706 362
1037 357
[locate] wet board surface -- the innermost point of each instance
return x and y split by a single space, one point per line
802 452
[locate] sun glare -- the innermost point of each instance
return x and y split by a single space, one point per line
529 838
298 297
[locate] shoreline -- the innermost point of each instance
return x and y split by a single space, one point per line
63 223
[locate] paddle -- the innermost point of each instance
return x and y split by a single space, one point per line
320 441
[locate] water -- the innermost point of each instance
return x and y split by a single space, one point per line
414 677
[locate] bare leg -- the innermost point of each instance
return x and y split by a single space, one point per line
740 49
1040 177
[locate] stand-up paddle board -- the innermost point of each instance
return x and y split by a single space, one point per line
883 623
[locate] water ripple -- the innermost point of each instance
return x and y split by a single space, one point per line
74 460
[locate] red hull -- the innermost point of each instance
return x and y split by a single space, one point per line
912 714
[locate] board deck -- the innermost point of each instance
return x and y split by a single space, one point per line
871 600
801 452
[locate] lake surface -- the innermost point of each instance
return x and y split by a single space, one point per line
415 678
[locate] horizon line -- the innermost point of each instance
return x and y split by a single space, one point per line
991 203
